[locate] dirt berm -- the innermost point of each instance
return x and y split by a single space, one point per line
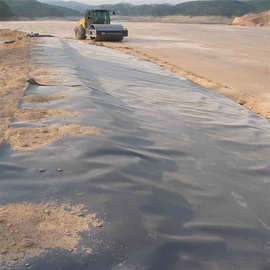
254 19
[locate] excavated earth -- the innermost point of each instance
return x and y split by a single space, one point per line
253 19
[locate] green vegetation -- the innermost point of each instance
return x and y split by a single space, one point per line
5 11
35 9
60 8
228 8
260 5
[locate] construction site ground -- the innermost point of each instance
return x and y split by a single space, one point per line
230 60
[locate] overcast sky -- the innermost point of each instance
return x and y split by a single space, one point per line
139 2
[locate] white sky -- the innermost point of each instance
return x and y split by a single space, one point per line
135 2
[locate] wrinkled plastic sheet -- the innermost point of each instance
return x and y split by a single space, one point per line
180 175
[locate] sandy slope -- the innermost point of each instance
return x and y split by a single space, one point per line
254 19
230 60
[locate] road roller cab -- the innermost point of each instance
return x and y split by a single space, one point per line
97 17
97 25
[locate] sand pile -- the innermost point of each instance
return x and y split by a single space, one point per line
252 19
26 139
41 113
27 230
42 98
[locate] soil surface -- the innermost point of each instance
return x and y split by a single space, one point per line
225 59
14 76
229 60
26 139
36 98
28 229
41 113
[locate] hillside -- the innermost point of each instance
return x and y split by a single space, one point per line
260 5
5 11
35 9
208 8
60 8
258 19
69 4
228 8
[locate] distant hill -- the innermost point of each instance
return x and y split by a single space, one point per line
260 5
229 8
208 8
5 11
69 4
35 9
60 8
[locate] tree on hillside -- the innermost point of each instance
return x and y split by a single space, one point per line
5 11
35 9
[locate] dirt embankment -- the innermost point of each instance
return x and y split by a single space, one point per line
253 19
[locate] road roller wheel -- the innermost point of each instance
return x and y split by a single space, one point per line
80 32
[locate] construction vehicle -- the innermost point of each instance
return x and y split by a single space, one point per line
96 24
